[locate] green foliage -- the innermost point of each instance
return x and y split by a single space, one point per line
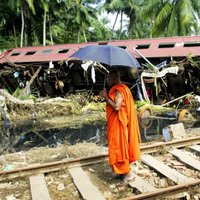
25 97
139 104
7 42
17 92
173 18
77 20
194 63
99 32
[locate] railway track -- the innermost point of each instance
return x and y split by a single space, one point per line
166 170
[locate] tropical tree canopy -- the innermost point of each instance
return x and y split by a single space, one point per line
48 22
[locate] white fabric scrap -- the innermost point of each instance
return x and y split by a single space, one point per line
197 98
51 65
93 74
173 70
86 65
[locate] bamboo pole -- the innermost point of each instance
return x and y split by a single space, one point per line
176 99
30 82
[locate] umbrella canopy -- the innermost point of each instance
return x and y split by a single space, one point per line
107 54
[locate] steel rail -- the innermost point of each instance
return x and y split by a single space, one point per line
166 192
52 166
171 144
57 165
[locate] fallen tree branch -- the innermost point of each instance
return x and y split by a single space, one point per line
12 99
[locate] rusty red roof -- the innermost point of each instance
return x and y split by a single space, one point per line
149 47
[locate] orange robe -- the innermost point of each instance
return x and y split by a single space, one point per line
123 133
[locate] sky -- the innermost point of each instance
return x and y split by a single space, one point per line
111 18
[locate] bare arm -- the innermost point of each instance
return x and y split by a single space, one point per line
116 104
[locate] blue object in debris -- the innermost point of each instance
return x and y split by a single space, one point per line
170 114
139 92
166 134
16 74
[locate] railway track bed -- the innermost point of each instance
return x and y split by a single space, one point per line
169 170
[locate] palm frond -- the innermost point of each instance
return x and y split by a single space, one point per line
172 25
161 21
186 12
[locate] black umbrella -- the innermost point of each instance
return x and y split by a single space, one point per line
107 54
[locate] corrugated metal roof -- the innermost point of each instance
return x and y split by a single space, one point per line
150 48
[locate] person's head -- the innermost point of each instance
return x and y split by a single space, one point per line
113 78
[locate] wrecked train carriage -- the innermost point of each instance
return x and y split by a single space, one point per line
18 65
58 76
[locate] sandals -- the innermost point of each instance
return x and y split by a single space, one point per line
128 178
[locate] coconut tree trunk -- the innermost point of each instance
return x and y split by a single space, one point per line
44 29
22 29
84 35
114 25
121 22
50 32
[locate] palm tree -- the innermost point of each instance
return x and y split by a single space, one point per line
11 11
173 17
114 6
136 27
132 9
25 7
45 6
80 14
8 19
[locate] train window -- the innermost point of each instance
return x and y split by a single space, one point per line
143 46
30 52
191 44
15 53
63 50
166 45
123 47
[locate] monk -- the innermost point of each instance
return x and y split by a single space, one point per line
123 135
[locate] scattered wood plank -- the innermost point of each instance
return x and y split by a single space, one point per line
39 190
170 173
195 148
185 158
84 185
141 185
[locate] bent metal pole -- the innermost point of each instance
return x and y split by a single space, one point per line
154 67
